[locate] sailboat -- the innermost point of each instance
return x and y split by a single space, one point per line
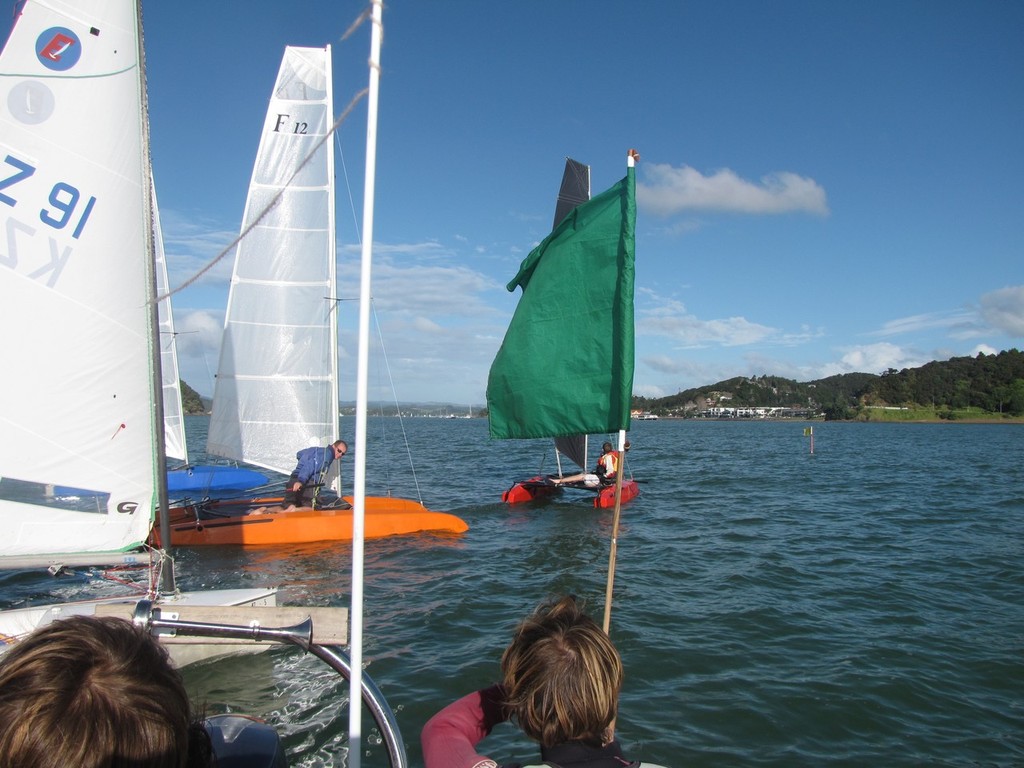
184 479
82 463
82 460
276 390
565 367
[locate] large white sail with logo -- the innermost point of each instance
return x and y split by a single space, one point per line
78 456
276 390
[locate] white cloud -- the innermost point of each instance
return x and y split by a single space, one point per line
664 363
198 330
427 289
438 321
192 243
672 320
1001 311
1004 309
925 322
426 325
426 250
649 390
667 190
197 340
683 373
874 358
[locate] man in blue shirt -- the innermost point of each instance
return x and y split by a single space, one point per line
308 474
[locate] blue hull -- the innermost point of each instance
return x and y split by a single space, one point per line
204 479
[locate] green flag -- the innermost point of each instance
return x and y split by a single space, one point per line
566 364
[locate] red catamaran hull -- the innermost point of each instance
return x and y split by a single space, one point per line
542 488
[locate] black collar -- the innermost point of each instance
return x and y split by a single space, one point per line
578 754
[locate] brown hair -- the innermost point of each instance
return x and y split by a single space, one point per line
562 676
94 692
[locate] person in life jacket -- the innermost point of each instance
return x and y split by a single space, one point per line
607 463
309 472
606 470
561 677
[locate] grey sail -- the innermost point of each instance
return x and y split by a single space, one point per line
575 189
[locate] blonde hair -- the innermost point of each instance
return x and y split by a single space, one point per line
94 692
562 676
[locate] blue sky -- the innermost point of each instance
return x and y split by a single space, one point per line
824 187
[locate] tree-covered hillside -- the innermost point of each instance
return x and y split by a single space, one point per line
191 402
988 383
994 383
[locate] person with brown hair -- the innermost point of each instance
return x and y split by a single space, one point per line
95 692
561 677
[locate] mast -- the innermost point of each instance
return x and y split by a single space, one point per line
333 409
167 585
613 550
362 376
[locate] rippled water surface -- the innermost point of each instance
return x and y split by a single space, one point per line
861 605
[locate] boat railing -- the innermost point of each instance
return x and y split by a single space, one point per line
179 624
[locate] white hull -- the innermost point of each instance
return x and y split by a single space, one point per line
18 622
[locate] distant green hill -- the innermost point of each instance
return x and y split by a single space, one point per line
962 387
984 387
191 402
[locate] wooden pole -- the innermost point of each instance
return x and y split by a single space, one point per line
613 551
631 161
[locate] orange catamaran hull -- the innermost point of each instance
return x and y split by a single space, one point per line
263 522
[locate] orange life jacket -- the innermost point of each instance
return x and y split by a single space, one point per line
609 468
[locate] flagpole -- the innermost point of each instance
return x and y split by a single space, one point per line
631 159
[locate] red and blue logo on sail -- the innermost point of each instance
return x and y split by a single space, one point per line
58 48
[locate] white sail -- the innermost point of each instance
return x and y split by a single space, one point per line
175 444
78 462
276 390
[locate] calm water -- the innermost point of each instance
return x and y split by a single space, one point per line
863 605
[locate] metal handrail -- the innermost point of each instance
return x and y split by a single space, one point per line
300 635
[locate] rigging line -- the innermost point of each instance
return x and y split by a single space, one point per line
394 392
348 188
356 24
384 442
273 202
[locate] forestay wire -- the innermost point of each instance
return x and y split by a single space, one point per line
398 409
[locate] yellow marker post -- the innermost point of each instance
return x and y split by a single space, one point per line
809 432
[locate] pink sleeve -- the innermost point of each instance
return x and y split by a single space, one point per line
450 737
